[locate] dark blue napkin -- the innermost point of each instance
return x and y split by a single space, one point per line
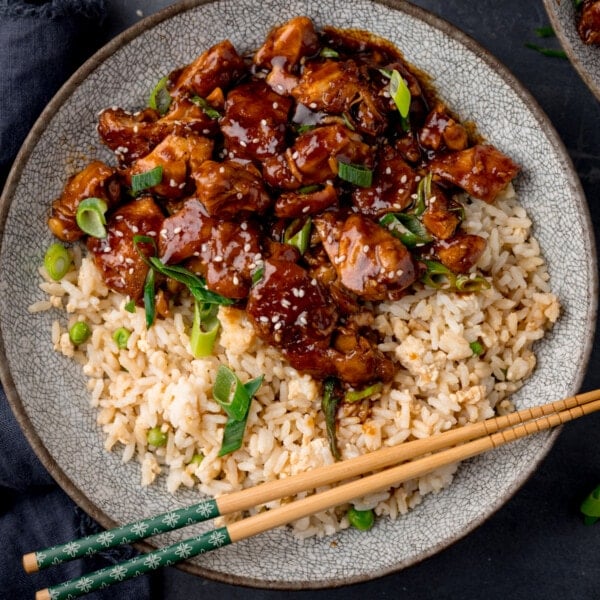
41 44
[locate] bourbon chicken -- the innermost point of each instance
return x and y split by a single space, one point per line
304 183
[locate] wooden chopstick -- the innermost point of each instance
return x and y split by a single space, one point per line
473 439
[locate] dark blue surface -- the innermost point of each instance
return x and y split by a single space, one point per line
535 547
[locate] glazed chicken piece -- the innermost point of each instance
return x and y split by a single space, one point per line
588 24
255 122
218 67
441 217
369 260
131 136
461 252
283 49
229 188
229 258
178 156
482 171
97 180
293 312
291 205
183 233
394 183
441 131
314 157
337 87
116 257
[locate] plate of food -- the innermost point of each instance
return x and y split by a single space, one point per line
300 203
577 26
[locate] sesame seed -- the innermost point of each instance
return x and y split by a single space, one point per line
399 273
243 226
151 233
275 105
263 122
274 318
135 129
135 228
177 230
243 144
182 185
366 248
295 155
236 280
418 178
204 247
278 326
239 195
263 319
163 233
206 131
388 170
403 179
247 247
312 105
119 218
255 141
221 170
218 259
306 209
119 233
285 303
172 183
130 271
414 196
313 282
107 249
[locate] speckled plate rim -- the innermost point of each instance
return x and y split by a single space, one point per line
573 46
13 181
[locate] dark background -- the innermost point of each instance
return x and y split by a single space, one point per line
536 546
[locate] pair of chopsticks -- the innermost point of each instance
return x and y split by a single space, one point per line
394 465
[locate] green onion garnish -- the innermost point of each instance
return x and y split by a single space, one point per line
204 329
149 299
407 228
327 52
234 397
257 275
356 174
300 129
441 277
329 405
362 520
130 306
547 51
197 459
57 261
121 337
347 122
358 395
309 189
400 93
79 333
143 181
477 348
545 32
91 217
301 237
590 507
423 195
209 111
156 437
160 99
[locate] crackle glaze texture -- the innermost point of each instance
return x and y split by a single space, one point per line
48 391
586 59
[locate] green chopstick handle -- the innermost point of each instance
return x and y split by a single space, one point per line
165 557
55 555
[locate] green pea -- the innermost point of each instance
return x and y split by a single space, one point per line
361 519
57 261
156 437
121 336
79 333
197 459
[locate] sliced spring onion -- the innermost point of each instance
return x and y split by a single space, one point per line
121 337
156 437
407 228
160 99
400 93
79 333
149 299
545 32
590 507
234 397
356 174
329 405
423 195
57 261
477 348
441 277
91 217
143 181
204 330
210 111
358 395
347 122
299 238
362 520
547 51
309 189
300 129
130 306
257 275
327 52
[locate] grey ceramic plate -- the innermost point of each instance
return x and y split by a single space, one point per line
48 392
586 59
